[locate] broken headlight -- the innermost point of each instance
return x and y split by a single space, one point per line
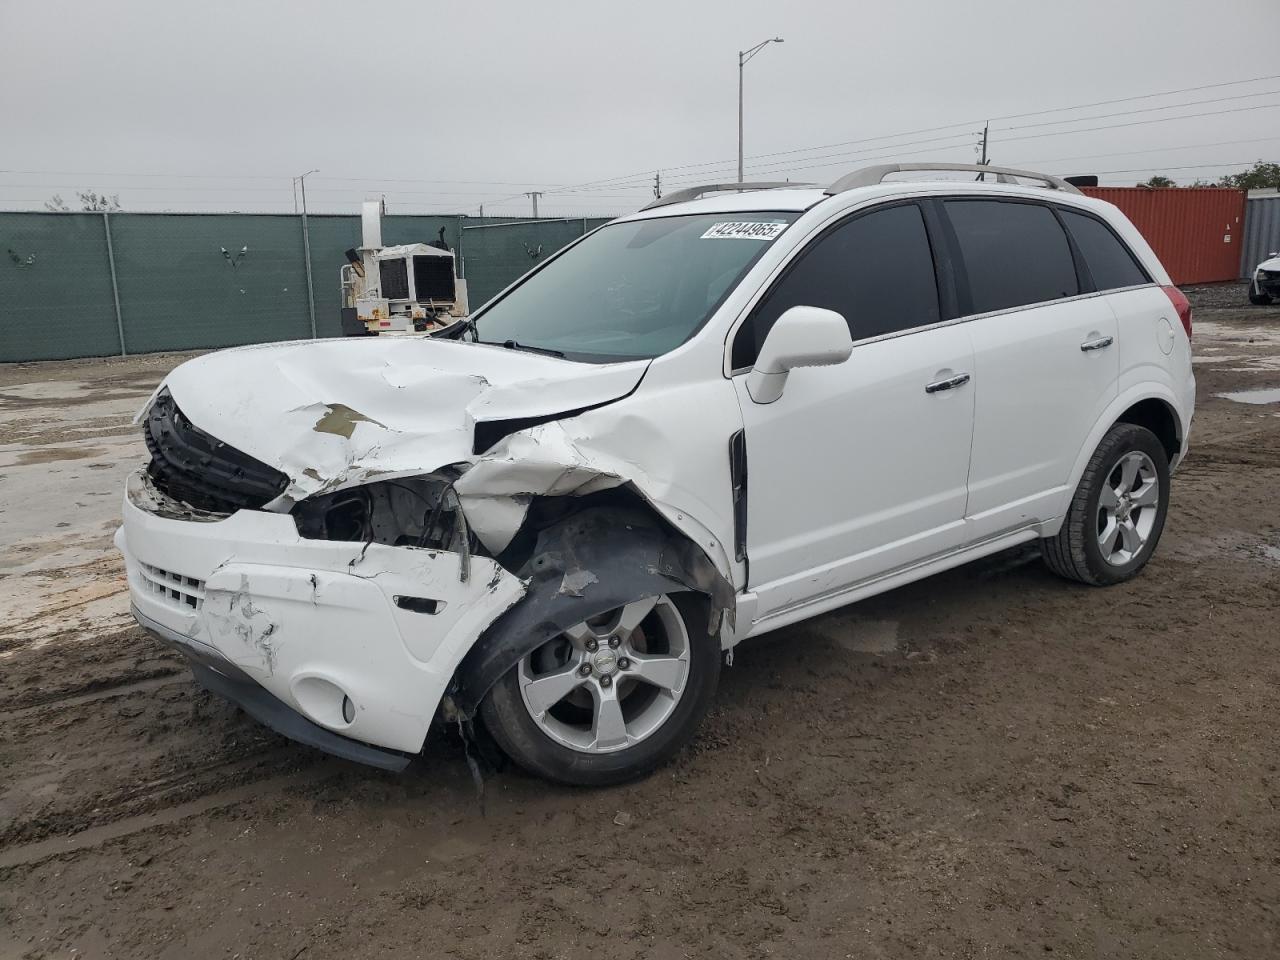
407 512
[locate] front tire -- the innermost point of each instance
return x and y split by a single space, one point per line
1257 298
612 697
1118 511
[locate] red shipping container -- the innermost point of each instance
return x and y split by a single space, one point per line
1195 231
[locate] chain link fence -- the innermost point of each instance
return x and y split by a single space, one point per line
93 284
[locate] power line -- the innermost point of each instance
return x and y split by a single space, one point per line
1013 116
1130 153
1143 96
1125 113
1138 123
255 176
1193 166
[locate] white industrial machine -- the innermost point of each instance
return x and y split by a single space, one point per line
410 288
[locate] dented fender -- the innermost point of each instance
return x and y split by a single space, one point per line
587 565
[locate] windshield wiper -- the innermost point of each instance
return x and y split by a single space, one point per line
515 345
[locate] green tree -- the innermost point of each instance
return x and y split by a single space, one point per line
1158 183
1259 177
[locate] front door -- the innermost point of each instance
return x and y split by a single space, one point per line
858 468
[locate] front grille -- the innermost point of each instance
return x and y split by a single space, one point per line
175 589
202 471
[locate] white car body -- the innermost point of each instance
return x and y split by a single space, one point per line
840 507
1266 278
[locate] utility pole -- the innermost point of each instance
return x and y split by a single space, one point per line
306 250
482 209
534 195
657 184
985 130
743 57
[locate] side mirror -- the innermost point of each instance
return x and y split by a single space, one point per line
801 337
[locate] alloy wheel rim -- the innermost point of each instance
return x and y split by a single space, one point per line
607 683
1127 508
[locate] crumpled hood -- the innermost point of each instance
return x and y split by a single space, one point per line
1272 264
336 413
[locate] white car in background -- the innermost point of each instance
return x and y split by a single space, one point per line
731 411
1265 285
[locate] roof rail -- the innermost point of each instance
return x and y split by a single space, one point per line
871 176
692 193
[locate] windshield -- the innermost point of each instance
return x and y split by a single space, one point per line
632 290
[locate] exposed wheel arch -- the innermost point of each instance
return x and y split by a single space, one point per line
1161 419
590 561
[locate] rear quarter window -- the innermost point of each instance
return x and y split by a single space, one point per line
1013 253
1110 262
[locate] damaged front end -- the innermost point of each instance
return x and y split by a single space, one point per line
365 561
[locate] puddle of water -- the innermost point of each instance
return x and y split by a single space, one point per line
1252 396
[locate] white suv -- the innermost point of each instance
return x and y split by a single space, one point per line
734 410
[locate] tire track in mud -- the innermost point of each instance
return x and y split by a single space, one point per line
94 692
121 732
26 854
148 793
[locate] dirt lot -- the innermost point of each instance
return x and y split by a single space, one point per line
990 763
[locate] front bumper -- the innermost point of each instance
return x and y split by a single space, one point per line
221 677
313 624
1270 284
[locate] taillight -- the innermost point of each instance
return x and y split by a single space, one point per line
1182 305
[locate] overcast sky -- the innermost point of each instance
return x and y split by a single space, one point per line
180 105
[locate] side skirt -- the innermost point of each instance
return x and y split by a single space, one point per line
884 582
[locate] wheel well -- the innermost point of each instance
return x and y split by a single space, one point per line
1158 417
582 563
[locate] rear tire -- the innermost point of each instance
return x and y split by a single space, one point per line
1117 513
579 709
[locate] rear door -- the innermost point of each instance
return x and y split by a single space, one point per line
1149 345
1045 357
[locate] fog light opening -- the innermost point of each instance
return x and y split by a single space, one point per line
348 709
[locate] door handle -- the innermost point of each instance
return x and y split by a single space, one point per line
950 383
1098 344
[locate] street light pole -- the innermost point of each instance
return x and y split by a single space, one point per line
743 57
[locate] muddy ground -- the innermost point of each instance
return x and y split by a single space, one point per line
989 763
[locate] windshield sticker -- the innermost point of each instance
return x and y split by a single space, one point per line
743 230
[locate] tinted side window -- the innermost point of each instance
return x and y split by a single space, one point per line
1014 253
875 270
1109 260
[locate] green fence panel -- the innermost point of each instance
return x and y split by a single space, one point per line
331 237
189 280
192 281
55 287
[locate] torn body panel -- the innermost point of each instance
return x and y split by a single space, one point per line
354 596
315 621
630 442
339 413
593 562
